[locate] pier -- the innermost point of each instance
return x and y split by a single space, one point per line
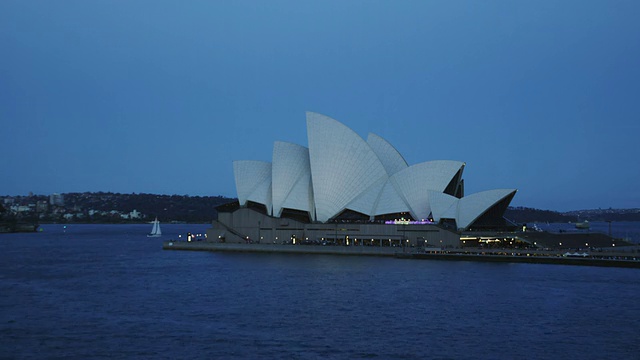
278 248
629 258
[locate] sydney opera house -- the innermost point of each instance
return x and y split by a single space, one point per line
345 190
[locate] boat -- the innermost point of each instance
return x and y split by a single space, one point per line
155 229
583 225
576 254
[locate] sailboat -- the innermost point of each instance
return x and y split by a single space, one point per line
155 230
582 225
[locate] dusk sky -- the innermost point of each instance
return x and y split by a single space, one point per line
161 96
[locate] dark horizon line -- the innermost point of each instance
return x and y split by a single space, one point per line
235 198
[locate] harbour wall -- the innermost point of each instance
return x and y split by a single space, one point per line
277 248
612 261
609 259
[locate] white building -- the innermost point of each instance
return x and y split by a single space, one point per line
56 199
342 178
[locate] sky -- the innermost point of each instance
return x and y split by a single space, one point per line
162 96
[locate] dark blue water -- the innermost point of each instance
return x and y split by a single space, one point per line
110 292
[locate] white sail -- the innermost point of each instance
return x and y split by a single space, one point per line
155 229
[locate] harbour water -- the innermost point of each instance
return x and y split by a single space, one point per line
627 230
108 291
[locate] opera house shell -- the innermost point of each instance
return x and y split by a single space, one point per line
342 178
340 171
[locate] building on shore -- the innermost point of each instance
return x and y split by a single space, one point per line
248 225
56 199
345 190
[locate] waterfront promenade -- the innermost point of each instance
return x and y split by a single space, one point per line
627 257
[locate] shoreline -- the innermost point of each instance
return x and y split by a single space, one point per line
528 259
604 259
11 228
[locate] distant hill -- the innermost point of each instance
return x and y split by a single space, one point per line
107 207
523 215
182 208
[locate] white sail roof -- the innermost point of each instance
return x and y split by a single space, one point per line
291 178
366 201
381 197
390 201
443 206
388 155
342 165
415 182
339 170
473 206
468 209
253 182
